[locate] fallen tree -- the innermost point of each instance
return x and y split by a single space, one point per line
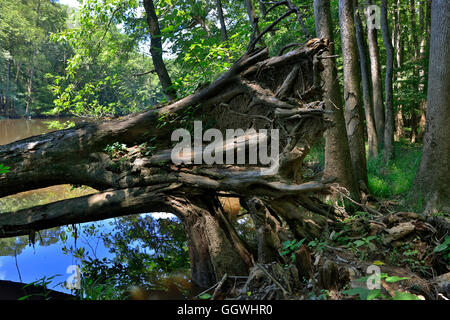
258 92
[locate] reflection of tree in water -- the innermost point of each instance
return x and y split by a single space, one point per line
11 246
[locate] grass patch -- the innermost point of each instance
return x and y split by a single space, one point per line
398 175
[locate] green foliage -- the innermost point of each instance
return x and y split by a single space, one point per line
4 169
364 293
116 149
42 284
290 246
444 248
397 176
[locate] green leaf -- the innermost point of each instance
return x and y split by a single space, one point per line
399 295
205 296
395 279
374 294
359 243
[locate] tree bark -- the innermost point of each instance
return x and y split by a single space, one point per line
377 94
337 151
156 50
145 179
432 180
399 52
252 18
388 83
352 92
368 106
223 27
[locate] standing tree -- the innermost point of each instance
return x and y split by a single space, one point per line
223 27
375 71
368 103
352 92
337 152
156 50
432 179
388 83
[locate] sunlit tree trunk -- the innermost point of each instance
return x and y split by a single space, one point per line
399 50
377 94
388 83
368 105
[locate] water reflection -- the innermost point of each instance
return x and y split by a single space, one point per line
19 260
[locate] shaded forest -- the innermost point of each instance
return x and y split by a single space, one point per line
349 97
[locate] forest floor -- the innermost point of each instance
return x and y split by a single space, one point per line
406 252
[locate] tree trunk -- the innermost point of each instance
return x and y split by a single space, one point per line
352 93
337 151
368 106
415 49
147 179
377 94
156 51
214 246
432 180
389 103
252 18
223 27
399 50
425 21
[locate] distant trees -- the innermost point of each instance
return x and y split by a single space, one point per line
27 54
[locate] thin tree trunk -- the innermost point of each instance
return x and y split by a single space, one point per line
262 8
377 94
156 51
368 106
399 50
352 93
389 107
425 12
415 42
337 151
432 180
223 27
252 18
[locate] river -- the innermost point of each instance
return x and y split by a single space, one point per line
23 262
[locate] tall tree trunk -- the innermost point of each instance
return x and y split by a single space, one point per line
156 51
375 71
337 151
399 50
415 49
425 21
389 105
252 18
432 179
262 8
352 93
32 64
223 27
368 105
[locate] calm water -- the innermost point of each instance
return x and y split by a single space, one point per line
46 258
